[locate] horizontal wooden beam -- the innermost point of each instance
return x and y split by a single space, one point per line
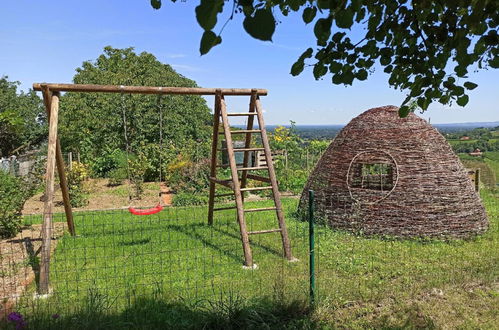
145 89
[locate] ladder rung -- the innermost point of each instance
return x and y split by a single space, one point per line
224 208
243 131
263 231
243 149
258 178
252 168
241 114
224 195
226 183
256 188
228 165
261 209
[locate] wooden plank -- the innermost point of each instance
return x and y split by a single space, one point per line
145 89
225 208
213 163
256 188
261 209
226 183
275 191
225 195
44 281
258 178
63 183
241 114
248 258
243 149
252 168
264 231
244 131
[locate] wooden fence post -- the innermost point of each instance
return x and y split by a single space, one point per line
43 287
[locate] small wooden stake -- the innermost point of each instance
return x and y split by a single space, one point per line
49 194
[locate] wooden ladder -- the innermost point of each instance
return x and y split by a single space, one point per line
238 183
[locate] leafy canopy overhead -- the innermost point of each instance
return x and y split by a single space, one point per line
92 123
426 47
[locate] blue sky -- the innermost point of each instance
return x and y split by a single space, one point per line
48 40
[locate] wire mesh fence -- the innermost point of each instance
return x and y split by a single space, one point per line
121 259
119 262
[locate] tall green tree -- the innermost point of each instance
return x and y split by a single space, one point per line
22 118
426 47
93 123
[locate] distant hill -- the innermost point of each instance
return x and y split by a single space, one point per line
328 132
465 126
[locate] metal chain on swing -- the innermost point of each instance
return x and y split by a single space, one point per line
127 146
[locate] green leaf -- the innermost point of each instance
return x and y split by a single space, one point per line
463 100
156 4
319 70
335 67
309 14
306 54
423 102
322 30
461 71
297 67
404 111
469 85
208 41
348 78
494 62
207 11
338 36
458 90
260 26
337 79
344 18
361 74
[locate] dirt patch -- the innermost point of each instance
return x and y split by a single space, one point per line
102 197
19 263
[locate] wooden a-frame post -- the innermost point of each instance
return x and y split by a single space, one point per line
54 157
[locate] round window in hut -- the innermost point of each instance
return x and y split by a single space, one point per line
372 176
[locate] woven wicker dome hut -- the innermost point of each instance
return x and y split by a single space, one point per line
394 176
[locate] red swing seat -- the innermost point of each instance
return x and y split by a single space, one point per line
158 208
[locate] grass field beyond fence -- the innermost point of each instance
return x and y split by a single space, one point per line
171 270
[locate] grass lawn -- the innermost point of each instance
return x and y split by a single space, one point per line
171 270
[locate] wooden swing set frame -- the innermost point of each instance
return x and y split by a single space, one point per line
51 94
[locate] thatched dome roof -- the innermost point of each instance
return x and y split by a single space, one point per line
397 176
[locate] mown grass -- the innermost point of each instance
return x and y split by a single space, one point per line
172 271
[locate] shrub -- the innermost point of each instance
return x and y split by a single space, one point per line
110 159
77 175
12 197
117 176
186 176
185 198
138 166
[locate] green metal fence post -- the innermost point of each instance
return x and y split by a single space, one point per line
311 240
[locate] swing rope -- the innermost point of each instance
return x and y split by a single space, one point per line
158 208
